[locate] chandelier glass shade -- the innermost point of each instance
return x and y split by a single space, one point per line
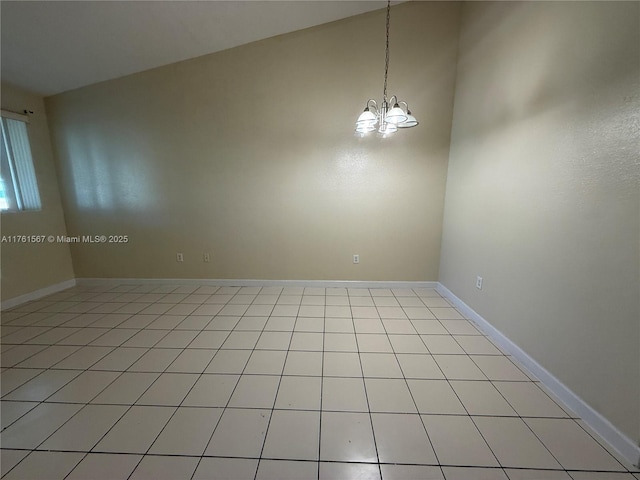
392 113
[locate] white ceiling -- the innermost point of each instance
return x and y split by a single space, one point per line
50 47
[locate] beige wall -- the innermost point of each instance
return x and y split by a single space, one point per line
249 154
542 192
29 267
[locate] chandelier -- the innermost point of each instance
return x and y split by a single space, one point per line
382 118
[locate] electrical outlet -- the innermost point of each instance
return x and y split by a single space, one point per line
356 259
206 258
179 257
479 283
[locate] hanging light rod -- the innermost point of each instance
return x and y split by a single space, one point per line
380 117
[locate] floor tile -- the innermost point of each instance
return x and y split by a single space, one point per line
85 428
48 357
344 394
211 390
381 365
459 367
338 325
209 339
446 313
457 441
307 341
52 336
341 364
418 313
293 435
373 343
398 327
84 358
287 470
192 361
429 327
407 344
136 430
389 396
164 468
255 391
83 337
601 476
435 397
311 311
188 432
359 302
240 433
114 338
44 466
222 323
299 393
177 339
361 471
309 324
259 310
104 466
443 344
12 411
523 474
34 427
229 361
43 385
419 366
498 368
528 400
347 437
126 389
207 309
404 472
574 448
514 444
285 310
340 342
251 323
340 311
471 473
120 359
402 439
266 362
10 458
477 345
303 363
369 325
155 360
84 387
274 341
195 322
169 389
360 312
482 398
241 340
225 469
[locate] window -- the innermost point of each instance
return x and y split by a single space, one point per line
18 184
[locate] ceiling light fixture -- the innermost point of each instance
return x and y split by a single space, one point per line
386 120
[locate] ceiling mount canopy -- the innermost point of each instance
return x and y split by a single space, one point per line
392 113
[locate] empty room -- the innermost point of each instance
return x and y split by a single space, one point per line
326 240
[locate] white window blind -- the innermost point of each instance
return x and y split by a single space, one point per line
19 187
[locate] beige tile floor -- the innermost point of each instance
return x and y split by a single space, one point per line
202 382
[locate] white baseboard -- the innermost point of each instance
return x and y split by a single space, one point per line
619 441
42 292
256 283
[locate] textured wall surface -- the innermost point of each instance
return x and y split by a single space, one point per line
27 267
250 155
543 198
